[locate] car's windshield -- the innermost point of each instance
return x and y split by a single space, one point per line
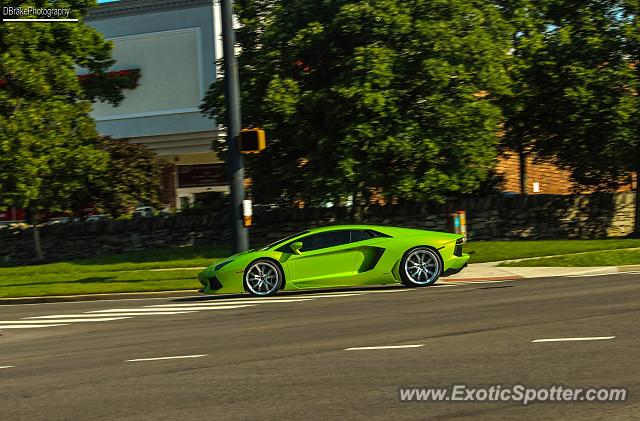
283 240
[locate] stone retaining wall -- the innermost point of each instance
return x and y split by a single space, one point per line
489 218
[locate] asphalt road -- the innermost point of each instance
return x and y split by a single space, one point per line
287 358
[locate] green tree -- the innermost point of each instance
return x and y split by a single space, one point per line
48 143
379 95
583 105
529 23
132 178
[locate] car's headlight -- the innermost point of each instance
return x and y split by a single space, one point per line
217 267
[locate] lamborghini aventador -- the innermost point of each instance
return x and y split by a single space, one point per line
339 256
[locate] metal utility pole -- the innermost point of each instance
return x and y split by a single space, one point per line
235 164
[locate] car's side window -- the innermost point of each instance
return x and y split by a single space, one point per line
360 235
324 240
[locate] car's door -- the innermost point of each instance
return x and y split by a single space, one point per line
326 259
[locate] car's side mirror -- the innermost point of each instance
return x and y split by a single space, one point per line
295 247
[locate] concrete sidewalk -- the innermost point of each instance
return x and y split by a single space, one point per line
490 271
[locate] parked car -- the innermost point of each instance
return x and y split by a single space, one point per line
96 218
145 211
62 220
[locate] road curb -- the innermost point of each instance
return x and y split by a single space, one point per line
631 268
96 297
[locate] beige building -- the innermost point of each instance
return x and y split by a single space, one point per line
175 45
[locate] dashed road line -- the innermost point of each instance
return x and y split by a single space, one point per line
26 322
71 316
155 309
365 348
593 338
6 366
14 326
166 358
222 303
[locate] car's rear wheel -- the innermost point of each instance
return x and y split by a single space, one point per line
420 266
263 278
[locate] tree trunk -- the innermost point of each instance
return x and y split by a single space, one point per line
355 204
360 203
522 155
36 237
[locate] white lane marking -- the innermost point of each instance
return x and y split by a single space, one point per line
6 366
593 338
361 348
103 301
220 303
155 309
104 319
166 358
27 326
64 316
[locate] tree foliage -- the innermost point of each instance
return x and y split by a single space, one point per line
132 178
47 139
379 95
50 152
578 103
49 147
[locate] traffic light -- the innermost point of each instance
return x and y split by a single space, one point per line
252 141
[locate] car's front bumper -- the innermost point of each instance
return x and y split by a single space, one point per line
220 281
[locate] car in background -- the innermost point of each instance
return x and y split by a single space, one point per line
150 211
62 220
96 218
145 211
339 256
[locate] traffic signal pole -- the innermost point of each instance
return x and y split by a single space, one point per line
235 163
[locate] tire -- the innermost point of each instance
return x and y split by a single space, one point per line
420 267
263 278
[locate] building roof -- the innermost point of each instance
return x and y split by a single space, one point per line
136 7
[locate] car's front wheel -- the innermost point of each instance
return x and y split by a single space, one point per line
263 278
420 266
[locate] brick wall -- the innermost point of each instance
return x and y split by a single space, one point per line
550 178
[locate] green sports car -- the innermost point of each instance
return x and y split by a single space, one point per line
339 256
